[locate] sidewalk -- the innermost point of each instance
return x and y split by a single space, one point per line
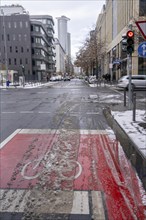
27 85
132 136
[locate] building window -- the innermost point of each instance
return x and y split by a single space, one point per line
19 36
15 24
14 37
10 49
21 25
142 8
20 61
9 61
27 49
25 37
15 62
26 61
32 39
8 37
9 24
21 49
141 66
37 29
2 37
26 24
16 49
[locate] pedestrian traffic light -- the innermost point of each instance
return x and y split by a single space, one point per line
130 42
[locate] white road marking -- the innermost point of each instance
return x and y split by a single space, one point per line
44 112
38 131
92 113
8 112
26 112
98 208
9 138
49 131
93 132
73 202
80 203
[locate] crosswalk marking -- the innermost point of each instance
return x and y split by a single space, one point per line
98 209
80 203
73 202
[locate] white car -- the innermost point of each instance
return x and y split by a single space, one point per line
137 81
92 79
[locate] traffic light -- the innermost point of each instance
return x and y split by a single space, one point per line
130 42
124 42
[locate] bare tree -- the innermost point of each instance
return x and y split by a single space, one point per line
89 54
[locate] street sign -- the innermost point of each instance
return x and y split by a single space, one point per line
142 49
142 27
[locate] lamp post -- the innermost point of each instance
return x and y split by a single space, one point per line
5 48
23 74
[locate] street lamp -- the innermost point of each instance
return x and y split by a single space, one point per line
23 74
5 46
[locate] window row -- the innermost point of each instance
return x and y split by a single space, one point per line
16 50
13 37
17 62
17 24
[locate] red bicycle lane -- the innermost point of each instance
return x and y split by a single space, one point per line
103 164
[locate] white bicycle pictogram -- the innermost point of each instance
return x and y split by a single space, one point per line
35 164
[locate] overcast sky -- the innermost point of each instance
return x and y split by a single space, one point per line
83 15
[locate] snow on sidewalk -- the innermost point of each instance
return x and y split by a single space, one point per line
133 129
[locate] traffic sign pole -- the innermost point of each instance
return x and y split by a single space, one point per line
129 70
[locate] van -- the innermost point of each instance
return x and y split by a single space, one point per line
137 81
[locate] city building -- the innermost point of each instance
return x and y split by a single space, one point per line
115 19
43 53
26 44
15 43
60 57
63 33
65 41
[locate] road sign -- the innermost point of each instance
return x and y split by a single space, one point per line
142 27
142 49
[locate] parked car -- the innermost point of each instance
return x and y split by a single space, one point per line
137 81
92 79
66 78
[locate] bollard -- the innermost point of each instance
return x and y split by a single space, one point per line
134 106
124 96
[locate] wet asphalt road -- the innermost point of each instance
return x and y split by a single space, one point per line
62 163
72 103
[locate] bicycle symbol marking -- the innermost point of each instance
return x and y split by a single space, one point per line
36 163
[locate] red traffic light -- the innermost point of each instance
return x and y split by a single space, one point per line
130 34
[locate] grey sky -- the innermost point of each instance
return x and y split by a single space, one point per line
83 15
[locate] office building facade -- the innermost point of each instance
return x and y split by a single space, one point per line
115 19
26 44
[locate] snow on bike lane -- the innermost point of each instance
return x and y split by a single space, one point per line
73 164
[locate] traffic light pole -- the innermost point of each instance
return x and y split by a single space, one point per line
129 73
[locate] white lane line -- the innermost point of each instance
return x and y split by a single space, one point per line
93 132
98 208
25 112
8 112
44 112
9 138
80 203
53 131
92 113
38 131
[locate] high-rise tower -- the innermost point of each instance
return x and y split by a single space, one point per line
63 34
